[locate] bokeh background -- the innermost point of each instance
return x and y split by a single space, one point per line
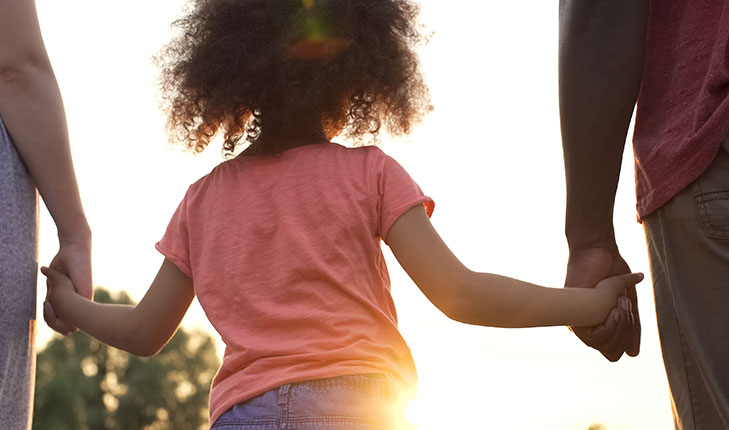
490 155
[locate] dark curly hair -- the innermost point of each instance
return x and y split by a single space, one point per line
279 68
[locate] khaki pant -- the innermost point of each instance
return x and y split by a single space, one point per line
688 243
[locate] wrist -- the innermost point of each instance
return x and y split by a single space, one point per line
579 243
78 234
589 229
62 300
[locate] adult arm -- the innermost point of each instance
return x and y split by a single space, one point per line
32 109
488 299
601 45
143 329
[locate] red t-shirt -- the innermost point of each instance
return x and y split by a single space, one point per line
683 107
284 253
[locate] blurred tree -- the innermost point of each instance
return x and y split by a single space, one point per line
83 384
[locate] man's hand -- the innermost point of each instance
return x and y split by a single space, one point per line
620 332
74 260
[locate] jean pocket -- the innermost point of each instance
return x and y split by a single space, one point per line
347 400
713 210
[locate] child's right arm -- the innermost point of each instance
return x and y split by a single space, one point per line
143 329
489 299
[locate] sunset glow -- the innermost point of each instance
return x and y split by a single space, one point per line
489 155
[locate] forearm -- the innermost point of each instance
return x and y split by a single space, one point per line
498 301
31 107
600 69
111 324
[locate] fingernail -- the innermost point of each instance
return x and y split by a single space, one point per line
616 316
624 304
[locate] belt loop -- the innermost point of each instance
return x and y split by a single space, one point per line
283 394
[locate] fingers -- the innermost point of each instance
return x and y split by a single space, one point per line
610 337
621 327
633 347
77 266
630 279
54 322
56 278
49 314
51 274
627 281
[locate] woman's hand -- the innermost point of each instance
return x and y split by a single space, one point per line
74 261
60 287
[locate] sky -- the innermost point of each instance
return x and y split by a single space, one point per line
489 154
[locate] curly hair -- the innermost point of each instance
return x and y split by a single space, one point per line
247 67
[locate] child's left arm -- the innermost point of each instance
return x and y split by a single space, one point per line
142 329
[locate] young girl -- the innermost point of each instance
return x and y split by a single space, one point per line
281 244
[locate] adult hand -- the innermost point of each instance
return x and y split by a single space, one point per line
74 260
620 332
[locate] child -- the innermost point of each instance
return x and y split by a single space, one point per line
281 244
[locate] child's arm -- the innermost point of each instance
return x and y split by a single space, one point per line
142 329
488 299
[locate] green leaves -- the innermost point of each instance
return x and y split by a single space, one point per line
82 384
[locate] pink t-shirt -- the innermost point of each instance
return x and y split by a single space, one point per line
683 106
284 253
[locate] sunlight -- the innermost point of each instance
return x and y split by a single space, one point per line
434 414
492 139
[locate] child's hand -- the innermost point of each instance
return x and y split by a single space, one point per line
59 287
615 289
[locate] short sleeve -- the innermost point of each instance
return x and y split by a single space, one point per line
175 244
397 193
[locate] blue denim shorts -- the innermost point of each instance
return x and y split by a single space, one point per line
348 402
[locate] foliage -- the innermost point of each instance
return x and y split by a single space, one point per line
83 384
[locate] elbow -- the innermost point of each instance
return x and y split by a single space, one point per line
144 349
141 342
458 303
21 72
146 352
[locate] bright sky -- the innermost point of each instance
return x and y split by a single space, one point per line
490 155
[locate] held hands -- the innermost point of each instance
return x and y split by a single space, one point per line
63 295
615 290
59 286
73 259
620 332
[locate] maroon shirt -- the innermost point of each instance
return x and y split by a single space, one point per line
683 105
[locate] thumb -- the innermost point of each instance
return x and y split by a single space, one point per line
50 273
53 275
630 279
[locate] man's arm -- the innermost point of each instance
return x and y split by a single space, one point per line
601 45
31 107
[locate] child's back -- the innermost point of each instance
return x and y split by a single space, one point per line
286 260
282 243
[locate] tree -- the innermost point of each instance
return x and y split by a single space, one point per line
83 384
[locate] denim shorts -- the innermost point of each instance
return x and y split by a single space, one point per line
350 402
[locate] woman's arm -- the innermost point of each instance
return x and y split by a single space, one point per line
488 299
143 329
31 107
